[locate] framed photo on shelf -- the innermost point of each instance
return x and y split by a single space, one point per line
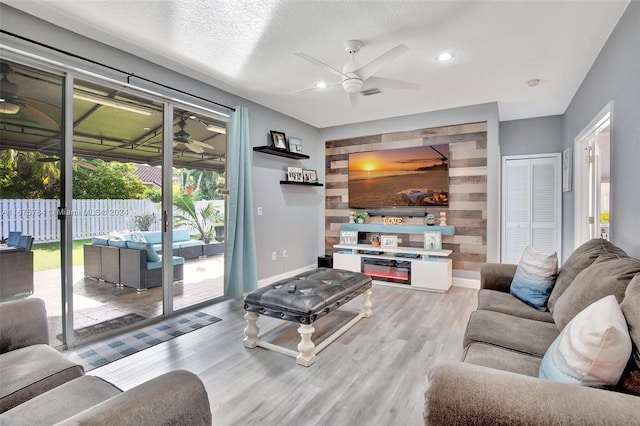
349 237
279 140
294 174
433 240
295 145
389 241
310 176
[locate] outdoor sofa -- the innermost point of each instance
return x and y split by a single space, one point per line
128 263
497 381
41 386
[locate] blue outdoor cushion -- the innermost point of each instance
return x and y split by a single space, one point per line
181 235
100 241
152 256
14 238
118 243
153 237
190 243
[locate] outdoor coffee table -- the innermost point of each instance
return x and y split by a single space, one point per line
304 299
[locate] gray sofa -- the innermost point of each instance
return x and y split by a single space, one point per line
497 381
40 386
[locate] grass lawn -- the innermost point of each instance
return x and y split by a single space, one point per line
47 255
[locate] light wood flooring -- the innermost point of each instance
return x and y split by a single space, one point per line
375 374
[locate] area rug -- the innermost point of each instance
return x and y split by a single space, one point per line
112 324
102 353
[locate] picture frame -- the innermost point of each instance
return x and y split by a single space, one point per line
389 241
567 169
295 145
349 238
279 140
294 174
433 240
309 176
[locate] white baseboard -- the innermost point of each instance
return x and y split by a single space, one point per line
288 274
466 283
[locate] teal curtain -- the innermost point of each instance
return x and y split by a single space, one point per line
241 264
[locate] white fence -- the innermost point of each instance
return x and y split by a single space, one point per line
39 218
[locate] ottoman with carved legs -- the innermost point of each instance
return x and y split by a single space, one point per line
303 299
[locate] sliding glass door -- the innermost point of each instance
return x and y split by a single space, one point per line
199 208
31 142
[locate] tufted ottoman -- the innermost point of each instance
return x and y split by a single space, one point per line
305 298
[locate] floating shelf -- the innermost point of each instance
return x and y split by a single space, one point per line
289 182
279 152
396 229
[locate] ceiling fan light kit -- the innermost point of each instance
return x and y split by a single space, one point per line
8 107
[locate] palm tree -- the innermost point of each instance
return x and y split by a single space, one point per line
204 220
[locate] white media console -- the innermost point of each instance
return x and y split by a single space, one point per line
413 267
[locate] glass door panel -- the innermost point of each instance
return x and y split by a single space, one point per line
30 188
117 184
199 208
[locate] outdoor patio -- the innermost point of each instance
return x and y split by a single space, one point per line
98 301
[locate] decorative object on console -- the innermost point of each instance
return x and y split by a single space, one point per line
375 240
295 145
294 174
433 240
309 176
443 218
352 218
279 140
360 217
389 241
349 237
429 219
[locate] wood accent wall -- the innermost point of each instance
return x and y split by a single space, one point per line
467 209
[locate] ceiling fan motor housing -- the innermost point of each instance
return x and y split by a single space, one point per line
352 84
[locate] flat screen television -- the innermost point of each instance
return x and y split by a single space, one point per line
403 177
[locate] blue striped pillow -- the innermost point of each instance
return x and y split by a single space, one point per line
535 277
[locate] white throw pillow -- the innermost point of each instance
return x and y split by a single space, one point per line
592 350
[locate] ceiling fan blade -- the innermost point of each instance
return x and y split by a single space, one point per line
390 83
85 165
353 98
308 89
320 63
378 63
194 148
202 144
38 116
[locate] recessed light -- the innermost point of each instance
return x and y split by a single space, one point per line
534 82
321 85
147 128
444 57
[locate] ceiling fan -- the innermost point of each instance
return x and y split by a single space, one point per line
182 137
357 79
11 103
78 162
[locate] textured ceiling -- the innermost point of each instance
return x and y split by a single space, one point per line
247 48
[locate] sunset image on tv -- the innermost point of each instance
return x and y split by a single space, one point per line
416 176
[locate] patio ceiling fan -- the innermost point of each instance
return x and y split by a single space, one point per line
11 103
182 137
78 162
360 80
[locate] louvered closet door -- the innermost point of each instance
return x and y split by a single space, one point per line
531 210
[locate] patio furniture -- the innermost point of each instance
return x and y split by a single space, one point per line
183 245
131 267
